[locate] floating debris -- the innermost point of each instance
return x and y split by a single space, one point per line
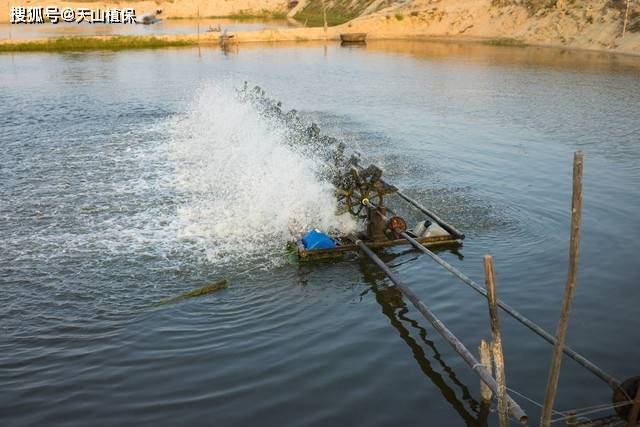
205 290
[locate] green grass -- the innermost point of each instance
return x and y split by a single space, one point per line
66 44
338 12
249 15
506 41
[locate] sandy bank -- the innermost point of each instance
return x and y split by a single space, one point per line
580 25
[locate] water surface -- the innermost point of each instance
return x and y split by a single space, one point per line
111 200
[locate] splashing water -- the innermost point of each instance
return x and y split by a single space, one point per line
245 190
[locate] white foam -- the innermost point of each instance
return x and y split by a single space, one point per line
243 188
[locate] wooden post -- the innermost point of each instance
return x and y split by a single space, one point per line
572 419
574 253
498 357
324 15
635 411
485 359
626 17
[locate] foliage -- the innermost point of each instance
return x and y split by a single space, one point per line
338 11
66 44
505 42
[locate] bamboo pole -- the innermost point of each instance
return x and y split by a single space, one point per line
635 411
590 366
498 356
204 290
466 355
485 359
563 323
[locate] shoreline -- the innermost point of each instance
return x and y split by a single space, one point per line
270 36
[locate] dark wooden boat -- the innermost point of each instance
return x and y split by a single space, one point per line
353 37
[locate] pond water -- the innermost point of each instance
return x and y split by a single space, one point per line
165 26
130 177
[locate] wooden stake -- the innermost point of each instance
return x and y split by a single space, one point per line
635 411
563 323
572 419
324 14
626 17
198 22
498 357
485 358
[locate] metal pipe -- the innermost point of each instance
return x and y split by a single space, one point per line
466 355
450 228
604 376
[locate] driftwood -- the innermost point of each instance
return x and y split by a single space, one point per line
205 290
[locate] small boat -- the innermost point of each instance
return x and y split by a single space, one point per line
225 38
148 19
353 37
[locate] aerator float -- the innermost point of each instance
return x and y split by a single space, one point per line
361 192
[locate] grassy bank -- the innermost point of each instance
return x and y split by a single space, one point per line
66 44
338 12
241 16
505 41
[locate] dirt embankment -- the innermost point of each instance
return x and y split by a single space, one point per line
582 24
585 24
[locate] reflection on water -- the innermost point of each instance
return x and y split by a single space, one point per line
165 26
396 310
530 57
94 229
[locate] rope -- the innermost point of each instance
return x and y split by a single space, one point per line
579 412
538 404
590 410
